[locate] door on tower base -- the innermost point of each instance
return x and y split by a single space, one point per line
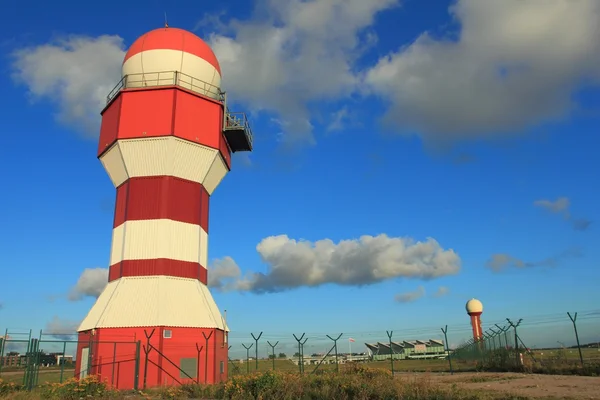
83 369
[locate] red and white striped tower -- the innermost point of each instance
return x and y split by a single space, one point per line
165 141
475 309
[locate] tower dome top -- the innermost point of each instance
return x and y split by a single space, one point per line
474 306
172 56
173 39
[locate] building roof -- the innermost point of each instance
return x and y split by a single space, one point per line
150 301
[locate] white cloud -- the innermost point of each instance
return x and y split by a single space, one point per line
561 206
556 206
75 74
516 63
442 291
91 282
409 297
62 329
366 260
223 273
501 261
299 52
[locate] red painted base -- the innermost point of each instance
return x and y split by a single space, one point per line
172 356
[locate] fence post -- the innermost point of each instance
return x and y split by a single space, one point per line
136 371
256 349
198 352
248 356
147 350
337 367
27 355
273 349
2 340
206 338
389 335
445 331
300 345
517 356
62 364
573 320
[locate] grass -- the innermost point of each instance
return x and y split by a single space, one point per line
352 382
549 361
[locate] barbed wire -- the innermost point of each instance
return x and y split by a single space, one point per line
316 336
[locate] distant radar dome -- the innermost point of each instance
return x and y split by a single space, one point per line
474 306
172 56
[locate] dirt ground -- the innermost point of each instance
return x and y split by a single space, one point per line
534 386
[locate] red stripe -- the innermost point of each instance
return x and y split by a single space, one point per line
159 266
174 39
162 197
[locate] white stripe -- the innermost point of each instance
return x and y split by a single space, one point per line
156 67
154 301
113 163
159 238
164 156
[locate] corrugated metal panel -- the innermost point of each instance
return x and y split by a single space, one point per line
147 157
116 248
161 197
203 259
217 172
109 128
157 238
204 207
113 163
154 301
157 266
197 119
121 204
147 113
192 161
167 156
225 152
98 308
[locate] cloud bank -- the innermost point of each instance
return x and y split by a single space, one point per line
502 261
354 262
75 73
511 64
62 329
514 64
91 283
409 297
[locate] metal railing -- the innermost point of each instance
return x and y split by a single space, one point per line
167 78
238 120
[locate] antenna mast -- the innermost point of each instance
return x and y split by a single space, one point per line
166 23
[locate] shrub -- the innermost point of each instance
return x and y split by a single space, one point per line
7 388
74 389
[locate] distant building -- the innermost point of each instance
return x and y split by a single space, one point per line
407 350
11 359
14 359
315 359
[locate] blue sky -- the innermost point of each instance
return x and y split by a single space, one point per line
474 125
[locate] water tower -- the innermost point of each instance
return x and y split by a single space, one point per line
166 140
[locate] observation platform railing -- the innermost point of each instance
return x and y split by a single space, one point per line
167 78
